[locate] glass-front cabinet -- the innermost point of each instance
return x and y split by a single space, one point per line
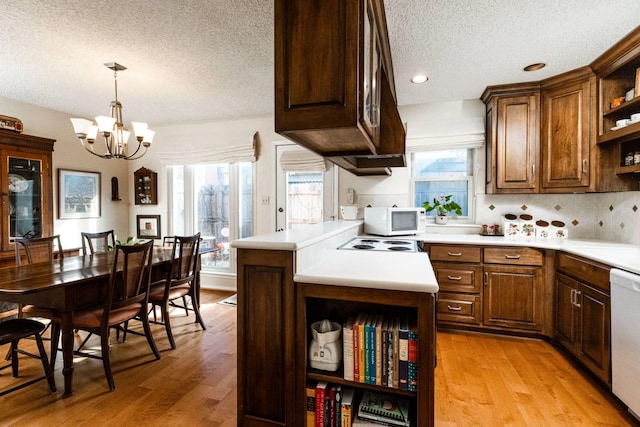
26 190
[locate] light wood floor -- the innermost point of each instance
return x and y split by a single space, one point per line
481 380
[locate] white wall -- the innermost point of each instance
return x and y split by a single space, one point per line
68 154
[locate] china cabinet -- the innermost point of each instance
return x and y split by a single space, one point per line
146 187
26 189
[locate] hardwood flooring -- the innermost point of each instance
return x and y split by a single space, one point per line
481 380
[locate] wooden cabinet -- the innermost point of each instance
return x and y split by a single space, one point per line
26 189
334 87
145 187
459 275
317 302
513 138
266 337
568 103
513 288
583 313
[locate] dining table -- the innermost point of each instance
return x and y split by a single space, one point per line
66 286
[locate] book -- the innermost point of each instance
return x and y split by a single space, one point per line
372 349
403 353
384 352
329 409
348 349
385 408
361 370
337 404
321 391
311 404
378 356
360 422
412 374
367 351
396 352
346 412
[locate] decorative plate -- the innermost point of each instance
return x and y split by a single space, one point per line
17 184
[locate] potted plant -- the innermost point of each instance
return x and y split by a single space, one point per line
443 206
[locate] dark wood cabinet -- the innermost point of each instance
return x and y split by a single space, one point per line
26 188
568 104
583 313
513 139
145 183
266 337
334 87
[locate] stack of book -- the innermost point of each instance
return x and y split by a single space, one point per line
381 350
379 408
329 405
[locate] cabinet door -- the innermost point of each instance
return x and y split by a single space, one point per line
513 297
567 316
566 136
516 144
266 374
595 339
26 189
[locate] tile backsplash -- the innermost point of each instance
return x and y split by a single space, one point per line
607 216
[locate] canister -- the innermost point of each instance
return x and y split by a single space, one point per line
542 229
511 226
558 230
527 226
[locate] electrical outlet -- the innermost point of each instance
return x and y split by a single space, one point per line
265 200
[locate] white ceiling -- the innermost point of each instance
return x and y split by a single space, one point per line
194 61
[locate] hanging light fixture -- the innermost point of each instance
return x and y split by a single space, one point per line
112 129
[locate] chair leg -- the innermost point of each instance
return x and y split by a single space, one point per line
167 324
186 307
144 316
196 310
45 363
55 340
14 358
104 344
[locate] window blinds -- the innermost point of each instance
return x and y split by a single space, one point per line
445 134
242 152
301 161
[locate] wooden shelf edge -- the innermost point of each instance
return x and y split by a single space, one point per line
333 378
622 170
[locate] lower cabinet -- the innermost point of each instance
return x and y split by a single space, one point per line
583 313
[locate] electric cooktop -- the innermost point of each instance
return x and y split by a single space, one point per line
380 244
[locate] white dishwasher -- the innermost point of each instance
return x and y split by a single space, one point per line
625 338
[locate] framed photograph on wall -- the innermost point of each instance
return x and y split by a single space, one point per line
79 194
148 226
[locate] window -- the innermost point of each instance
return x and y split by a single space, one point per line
215 200
443 172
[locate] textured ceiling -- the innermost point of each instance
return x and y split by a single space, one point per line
194 61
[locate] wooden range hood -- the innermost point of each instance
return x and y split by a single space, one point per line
328 55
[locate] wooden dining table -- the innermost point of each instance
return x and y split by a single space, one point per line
66 286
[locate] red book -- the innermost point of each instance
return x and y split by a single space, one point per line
321 392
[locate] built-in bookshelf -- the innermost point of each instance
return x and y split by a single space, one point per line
339 304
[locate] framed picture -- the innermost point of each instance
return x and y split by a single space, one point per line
79 194
148 226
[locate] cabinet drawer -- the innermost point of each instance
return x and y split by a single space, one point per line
458 278
516 256
459 308
585 270
455 253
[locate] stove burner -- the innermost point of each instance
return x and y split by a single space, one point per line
399 248
396 242
365 241
362 246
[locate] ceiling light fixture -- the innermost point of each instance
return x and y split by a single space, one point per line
112 129
535 67
420 78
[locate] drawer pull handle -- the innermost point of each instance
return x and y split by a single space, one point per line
454 253
512 256
578 295
454 277
450 308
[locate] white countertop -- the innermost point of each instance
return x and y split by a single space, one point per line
373 269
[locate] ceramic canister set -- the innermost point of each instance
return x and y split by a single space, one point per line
525 227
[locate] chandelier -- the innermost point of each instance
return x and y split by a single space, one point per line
112 130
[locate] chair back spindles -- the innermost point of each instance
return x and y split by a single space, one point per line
102 241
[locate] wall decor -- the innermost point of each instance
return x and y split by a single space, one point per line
148 226
79 194
115 193
145 183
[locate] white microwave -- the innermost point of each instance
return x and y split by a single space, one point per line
394 221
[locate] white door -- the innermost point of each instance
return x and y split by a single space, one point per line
303 196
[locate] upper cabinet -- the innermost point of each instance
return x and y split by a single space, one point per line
26 189
334 87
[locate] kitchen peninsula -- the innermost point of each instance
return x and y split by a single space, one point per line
290 279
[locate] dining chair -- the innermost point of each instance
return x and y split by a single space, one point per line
11 332
179 282
126 298
35 251
102 241
168 240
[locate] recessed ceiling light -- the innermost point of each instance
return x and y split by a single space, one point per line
535 67
420 78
